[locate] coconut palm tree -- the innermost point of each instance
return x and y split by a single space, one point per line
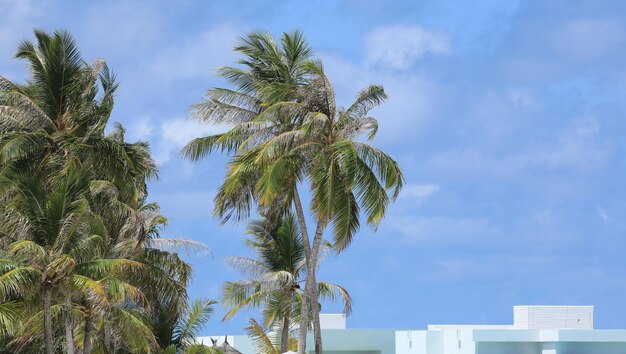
135 233
188 323
279 140
267 343
77 237
54 241
323 147
275 276
272 72
109 279
62 111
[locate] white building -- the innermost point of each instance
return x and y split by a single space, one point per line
535 330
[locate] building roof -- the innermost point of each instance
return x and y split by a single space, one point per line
225 347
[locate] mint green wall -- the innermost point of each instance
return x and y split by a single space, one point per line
591 348
357 341
461 341
508 348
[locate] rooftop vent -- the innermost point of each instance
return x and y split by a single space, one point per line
553 317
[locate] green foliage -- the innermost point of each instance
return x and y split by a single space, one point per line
82 264
287 131
275 276
195 316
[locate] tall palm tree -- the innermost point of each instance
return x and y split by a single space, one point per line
321 145
62 111
134 232
275 276
109 278
54 240
73 214
272 73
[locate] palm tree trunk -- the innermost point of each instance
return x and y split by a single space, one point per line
69 326
108 347
304 314
88 331
47 319
284 340
304 324
312 291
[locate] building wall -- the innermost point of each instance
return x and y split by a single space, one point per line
412 342
508 348
435 342
350 352
591 348
361 341
457 341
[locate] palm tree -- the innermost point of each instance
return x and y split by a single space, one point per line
275 276
320 144
188 323
53 239
266 343
272 74
134 232
61 113
108 277
74 220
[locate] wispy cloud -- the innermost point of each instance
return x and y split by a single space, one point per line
18 20
399 47
197 56
175 134
414 100
117 30
419 191
140 128
577 147
452 231
589 39
602 214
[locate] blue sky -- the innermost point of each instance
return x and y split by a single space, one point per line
508 118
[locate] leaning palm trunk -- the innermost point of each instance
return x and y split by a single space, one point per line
311 291
69 326
304 324
88 331
284 340
304 314
108 342
47 319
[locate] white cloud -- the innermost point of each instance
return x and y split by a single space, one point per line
186 204
602 214
576 147
589 39
399 47
522 98
18 20
199 55
140 128
413 99
122 30
175 134
443 229
419 191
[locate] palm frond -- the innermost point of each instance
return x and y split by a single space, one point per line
197 315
